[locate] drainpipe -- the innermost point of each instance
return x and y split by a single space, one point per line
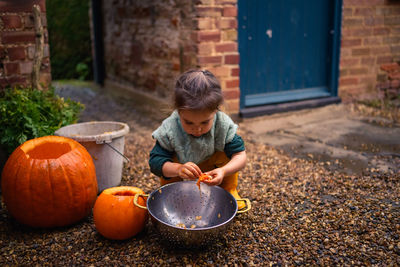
98 55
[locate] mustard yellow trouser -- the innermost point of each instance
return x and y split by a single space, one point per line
218 159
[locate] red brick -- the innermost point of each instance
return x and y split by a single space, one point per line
374 21
395 20
361 32
363 2
21 5
26 67
372 41
220 71
352 22
232 59
231 105
11 68
29 21
358 71
232 83
208 36
208 11
384 59
360 51
18 37
348 81
2 53
11 21
16 53
351 42
230 11
224 2
226 47
226 23
205 48
204 23
347 12
346 62
235 72
363 11
380 50
395 83
390 67
231 94
368 61
392 40
381 31
210 59
395 49
12 81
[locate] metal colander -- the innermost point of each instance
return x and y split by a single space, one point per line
188 217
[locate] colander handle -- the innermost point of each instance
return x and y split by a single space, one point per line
248 205
135 200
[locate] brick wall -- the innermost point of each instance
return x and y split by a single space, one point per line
149 43
17 43
370 40
217 48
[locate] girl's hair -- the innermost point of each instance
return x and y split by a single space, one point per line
198 90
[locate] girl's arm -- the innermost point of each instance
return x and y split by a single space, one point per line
237 162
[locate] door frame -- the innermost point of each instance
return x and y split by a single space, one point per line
303 98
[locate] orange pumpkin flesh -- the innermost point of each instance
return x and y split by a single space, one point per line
115 214
203 177
49 181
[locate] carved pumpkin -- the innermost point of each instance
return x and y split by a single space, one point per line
115 214
49 181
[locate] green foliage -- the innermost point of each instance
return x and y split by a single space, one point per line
29 113
83 70
69 38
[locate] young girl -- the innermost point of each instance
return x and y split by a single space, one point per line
197 137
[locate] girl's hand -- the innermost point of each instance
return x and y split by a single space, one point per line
189 170
217 175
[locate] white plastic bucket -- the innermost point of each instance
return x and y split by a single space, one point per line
105 141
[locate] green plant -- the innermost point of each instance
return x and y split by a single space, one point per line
29 113
83 70
69 37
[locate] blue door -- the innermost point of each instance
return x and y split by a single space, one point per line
289 50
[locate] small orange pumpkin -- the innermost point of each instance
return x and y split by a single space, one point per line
115 214
49 181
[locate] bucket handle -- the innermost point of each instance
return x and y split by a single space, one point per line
248 205
135 200
116 150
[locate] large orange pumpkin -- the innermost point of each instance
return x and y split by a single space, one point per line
115 214
49 181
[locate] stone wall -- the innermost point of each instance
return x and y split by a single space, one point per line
370 40
149 43
17 43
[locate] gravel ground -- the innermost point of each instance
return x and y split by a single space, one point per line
304 212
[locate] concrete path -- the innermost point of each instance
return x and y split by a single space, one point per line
333 135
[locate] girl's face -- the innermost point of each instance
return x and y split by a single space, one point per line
197 123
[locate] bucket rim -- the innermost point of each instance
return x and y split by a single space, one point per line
98 138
